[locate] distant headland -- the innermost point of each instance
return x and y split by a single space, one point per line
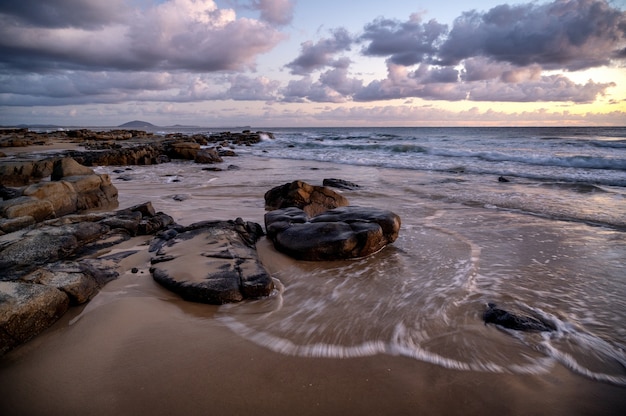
136 124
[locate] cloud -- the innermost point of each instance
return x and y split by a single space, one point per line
245 88
278 12
88 14
314 56
544 88
405 43
564 34
192 35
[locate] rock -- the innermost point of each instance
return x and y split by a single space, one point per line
311 199
340 233
211 262
503 179
340 183
19 173
45 245
69 278
9 193
207 156
61 195
26 309
26 206
509 320
68 167
184 150
15 224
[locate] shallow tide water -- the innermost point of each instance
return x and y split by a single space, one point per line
398 332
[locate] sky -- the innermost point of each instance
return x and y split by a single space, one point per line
306 63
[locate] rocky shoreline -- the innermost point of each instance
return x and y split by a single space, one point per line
58 232
54 216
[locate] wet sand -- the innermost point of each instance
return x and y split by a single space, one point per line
136 348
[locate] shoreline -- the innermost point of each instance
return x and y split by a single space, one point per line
137 347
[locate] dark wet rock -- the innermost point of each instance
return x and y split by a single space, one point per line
26 309
211 262
181 197
503 179
9 193
340 184
340 233
500 317
311 199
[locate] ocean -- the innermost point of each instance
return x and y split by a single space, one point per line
531 219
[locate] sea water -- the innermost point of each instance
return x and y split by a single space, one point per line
532 219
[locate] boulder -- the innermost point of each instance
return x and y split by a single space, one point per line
60 194
184 150
26 309
211 262
208 156
340 233
311 199
26 206
68 167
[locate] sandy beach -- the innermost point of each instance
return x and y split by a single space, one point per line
138 348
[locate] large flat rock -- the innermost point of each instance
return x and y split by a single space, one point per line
212 262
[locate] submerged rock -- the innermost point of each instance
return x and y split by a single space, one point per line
509 320
340 184
211 262
341 233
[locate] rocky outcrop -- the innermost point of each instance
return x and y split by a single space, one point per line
211 262
67 237
311 199
341 233
73 188
20 173
51 266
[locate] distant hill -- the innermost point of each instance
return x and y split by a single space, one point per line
137 124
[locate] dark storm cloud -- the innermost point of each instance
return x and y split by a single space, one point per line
405 43
314 56
564 34
175 35
64 13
